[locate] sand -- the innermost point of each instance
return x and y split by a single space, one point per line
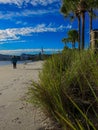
15 112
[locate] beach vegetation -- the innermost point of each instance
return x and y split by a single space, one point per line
67 90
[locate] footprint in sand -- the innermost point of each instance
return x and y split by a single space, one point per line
16 120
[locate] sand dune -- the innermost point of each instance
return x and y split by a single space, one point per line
15 112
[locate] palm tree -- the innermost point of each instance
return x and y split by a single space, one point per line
72 37
86 6
69 8
92 5
65 41
78 8
82 7
79 29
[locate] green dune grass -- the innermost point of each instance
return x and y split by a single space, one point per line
67 90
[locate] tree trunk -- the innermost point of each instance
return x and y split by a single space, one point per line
83 28
90 25
79 32
91 19
73 45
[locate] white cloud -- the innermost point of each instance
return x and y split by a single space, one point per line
26 13
6 15
28 51
20 22
37 12
16 33
43 2
17 2
11 41
25 2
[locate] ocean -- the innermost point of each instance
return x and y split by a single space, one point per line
3 63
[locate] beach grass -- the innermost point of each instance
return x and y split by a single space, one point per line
67 90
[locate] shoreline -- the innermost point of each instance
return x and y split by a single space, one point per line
5 63
16 113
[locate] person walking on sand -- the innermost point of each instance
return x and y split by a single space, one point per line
14 62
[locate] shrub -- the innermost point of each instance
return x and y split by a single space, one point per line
68 90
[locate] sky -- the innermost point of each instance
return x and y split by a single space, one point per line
27 26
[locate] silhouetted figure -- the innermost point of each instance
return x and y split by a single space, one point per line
14 62
40 56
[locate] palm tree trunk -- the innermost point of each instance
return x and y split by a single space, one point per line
73 45
90 25
83 28
91 19
79 31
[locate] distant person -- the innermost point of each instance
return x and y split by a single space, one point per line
40 56
14 62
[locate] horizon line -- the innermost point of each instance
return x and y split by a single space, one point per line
30 51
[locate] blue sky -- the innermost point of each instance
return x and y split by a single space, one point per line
26 26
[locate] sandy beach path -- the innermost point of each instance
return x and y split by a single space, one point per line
15 113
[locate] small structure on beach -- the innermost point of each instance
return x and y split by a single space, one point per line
94 40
